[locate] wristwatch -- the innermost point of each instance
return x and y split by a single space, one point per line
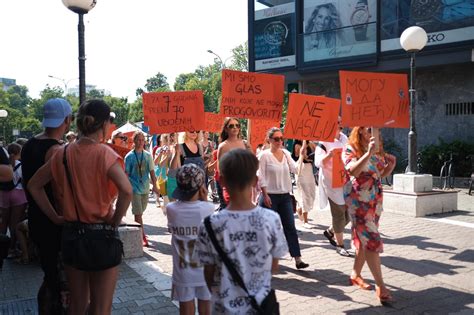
424 10
359 19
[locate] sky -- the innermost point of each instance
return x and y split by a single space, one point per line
126 42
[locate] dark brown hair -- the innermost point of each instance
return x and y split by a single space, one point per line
239 169
92 115
224 135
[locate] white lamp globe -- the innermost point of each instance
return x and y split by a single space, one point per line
3 113
413 39
80 6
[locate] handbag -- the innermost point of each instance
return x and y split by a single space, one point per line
269 304
162 185
89 247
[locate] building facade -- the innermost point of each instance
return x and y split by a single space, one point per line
7 83
309 41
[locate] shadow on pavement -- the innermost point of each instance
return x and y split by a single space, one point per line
419 242
429 301
155 230
466 256
453 214
324 278
419 267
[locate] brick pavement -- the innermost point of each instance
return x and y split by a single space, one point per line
428 264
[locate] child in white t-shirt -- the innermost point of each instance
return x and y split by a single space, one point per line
251 236
184 218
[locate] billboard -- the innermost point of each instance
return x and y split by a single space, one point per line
338 29
445 21
274 37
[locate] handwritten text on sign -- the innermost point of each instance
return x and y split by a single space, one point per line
258 131
374 99
213 122
338 171
252 95
312 117
166 112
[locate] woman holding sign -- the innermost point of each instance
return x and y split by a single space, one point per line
275 183
329 190
363 196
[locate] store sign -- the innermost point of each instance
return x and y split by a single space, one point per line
339 29
274 37
445 22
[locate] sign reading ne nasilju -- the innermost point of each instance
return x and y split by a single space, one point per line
258 131
252 95
213 122
338 172
312 117
166 112
374 99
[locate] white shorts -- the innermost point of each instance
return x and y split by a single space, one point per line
186 294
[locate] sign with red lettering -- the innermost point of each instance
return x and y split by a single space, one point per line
258 131
252 95
338 171
374 99
167 112
213 122
312 117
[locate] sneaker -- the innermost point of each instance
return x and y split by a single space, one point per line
351 251
342 251
307 225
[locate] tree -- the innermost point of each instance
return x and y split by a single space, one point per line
240 57
120 106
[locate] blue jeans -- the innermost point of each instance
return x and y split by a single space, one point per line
281 204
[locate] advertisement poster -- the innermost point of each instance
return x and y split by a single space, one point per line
445 21
274 37
339 28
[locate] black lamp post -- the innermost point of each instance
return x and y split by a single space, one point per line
81 7
413 39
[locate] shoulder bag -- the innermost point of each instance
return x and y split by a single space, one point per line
269 305
89 247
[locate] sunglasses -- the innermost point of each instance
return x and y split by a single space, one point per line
232 126
277 139
195 131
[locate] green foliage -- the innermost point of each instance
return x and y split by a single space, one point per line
434 155
240 57
393 148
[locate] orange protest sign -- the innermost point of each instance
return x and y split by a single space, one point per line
374 99
166 112
338 172
312 117
213 122
258 131
252 95
112 128
119 150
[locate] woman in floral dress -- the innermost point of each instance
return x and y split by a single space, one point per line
363 196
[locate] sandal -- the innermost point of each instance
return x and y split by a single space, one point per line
359 281
384 297
330 236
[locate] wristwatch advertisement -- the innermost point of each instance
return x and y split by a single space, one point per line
359 19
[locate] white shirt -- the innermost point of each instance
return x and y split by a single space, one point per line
251 239
274 174
184 218
17 175
325 172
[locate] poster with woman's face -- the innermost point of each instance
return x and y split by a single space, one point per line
339 28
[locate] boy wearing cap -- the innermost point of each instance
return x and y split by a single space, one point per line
251 236
184 217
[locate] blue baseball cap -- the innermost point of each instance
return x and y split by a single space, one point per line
55 110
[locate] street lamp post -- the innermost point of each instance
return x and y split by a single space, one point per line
413 39
3 114
65 82
219 57
81 7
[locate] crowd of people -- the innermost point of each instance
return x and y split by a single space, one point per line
62 201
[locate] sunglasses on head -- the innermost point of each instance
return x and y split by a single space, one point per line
277 139
232 126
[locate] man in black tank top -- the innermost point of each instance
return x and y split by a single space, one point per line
45 233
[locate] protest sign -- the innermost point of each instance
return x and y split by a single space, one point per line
258 131
213 122
119 150
312 117
374 99
338 172
252 95
166 112
111 129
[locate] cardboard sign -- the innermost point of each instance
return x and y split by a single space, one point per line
258 131
338 171
213 122
374 99
167 112
119 150
312 117
112 128
252 95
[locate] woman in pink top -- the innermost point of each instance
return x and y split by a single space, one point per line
96 177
